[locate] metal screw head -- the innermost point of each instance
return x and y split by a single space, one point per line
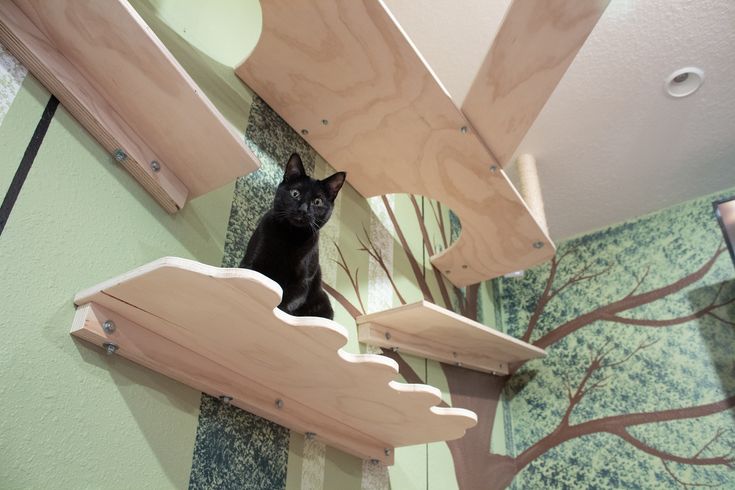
155 166
387 335
374 461
110 348
458 364
279 404
310 436
394 349
225 399
119 155
538 244
325 122
493 168
387 451
463 130
304 132
108 326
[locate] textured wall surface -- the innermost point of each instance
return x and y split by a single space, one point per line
638 387
72 417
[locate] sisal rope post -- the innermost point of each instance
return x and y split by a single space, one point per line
531 188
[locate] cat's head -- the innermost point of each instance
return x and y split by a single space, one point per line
304 202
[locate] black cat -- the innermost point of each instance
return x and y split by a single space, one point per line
285 245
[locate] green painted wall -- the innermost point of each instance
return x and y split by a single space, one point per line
72 417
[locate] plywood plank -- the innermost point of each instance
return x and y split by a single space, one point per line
391 126
114 75
228 316
532 50
431 331
206 374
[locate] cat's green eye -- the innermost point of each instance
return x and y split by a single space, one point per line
318 201
295 194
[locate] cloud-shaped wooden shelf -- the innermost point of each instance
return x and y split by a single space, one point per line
430 331
112 73
345 75
218 330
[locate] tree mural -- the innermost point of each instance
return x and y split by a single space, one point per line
626 307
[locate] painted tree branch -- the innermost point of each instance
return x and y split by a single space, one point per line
377 255
617 424
546 296
645 322
355 284
685 485
598 362
351 309
415 267
439 217
630 301
430 250
640 445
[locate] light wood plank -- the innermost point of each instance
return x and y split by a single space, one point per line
532 50
206 374
228 316
114 75
430 331
87 105
391 126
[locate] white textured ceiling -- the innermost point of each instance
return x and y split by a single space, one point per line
610 143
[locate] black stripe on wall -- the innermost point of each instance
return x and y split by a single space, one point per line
25 163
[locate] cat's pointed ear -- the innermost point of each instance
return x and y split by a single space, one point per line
334 184
294 168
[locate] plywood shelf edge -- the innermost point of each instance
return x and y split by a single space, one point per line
218 331
427 330
111 72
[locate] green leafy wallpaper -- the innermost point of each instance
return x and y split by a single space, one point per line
639 383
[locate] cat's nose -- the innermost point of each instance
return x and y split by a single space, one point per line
303 207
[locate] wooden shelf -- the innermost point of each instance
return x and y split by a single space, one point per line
217 330
391 125
430 331
117 79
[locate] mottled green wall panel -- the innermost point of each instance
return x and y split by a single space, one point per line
638 386
73 417
23 108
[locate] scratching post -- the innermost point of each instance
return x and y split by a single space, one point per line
531 188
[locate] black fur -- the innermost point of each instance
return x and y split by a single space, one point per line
285 245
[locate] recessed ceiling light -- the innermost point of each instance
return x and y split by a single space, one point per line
684 82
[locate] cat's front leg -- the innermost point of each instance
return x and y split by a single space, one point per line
293 299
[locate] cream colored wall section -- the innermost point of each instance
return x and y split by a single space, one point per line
220 29
73 417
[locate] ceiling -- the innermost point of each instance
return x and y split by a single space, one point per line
610 144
